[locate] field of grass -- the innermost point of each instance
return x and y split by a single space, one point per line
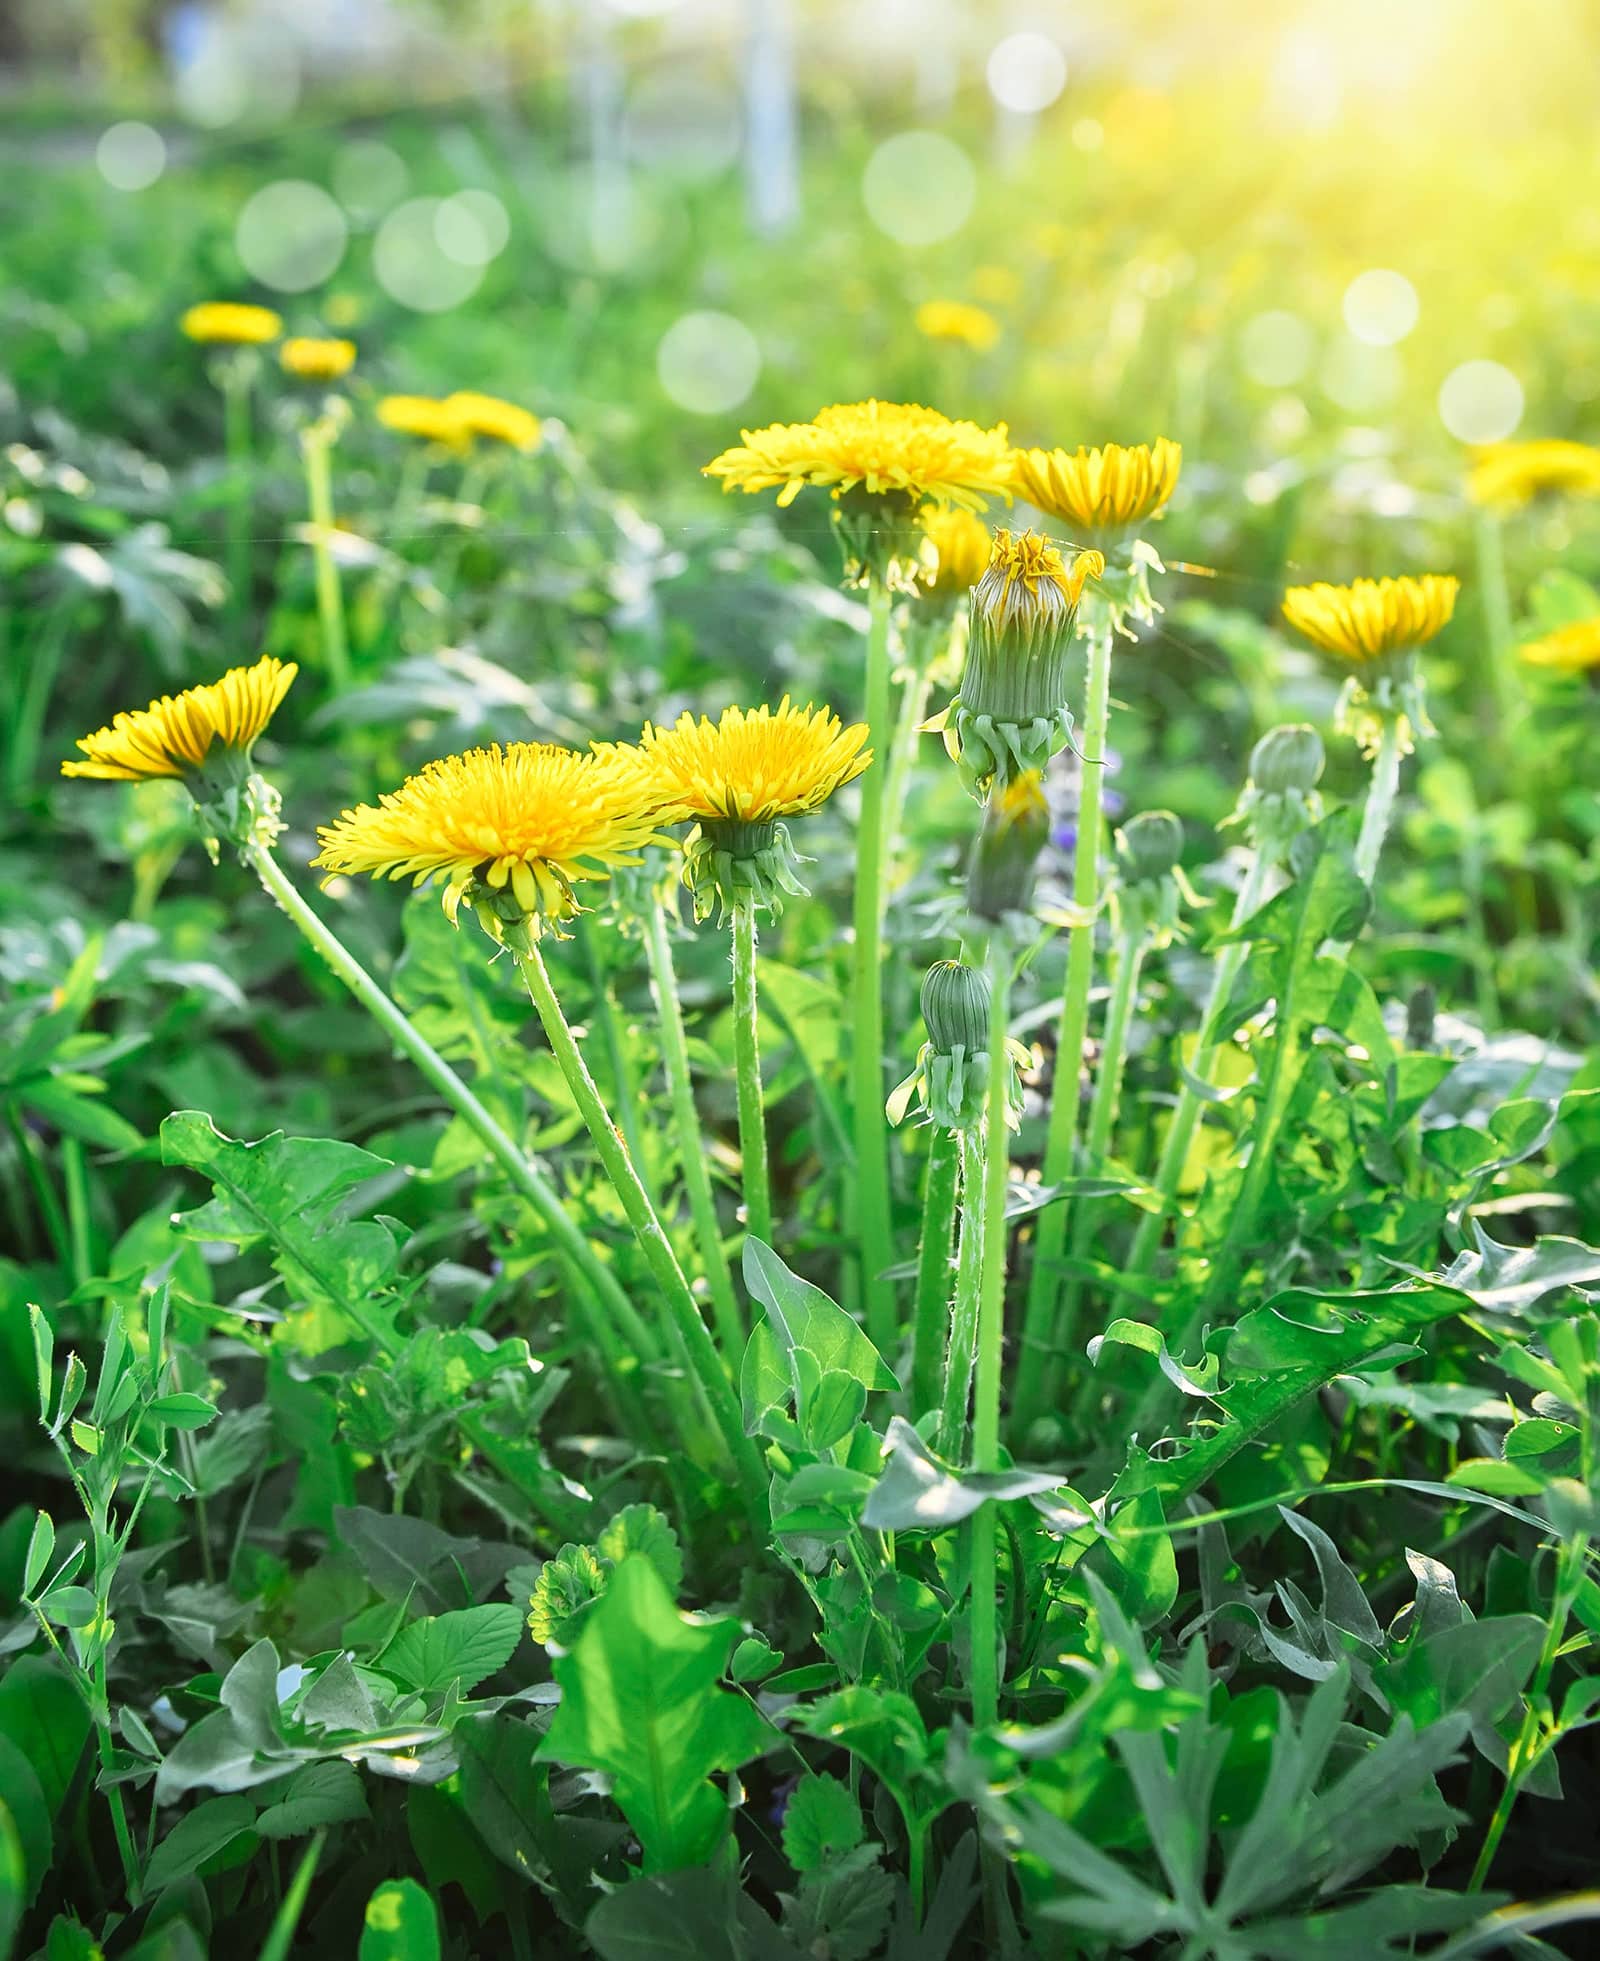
523 1439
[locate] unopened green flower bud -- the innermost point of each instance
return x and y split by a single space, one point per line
1288 758
1150 845
1011 713
955 1005
1016 823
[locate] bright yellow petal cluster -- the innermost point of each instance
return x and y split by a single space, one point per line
1027 575
1512 474
176 734
502 422
957 320
421 415
885 447
312 359
233 322
1571 649
754 766
1372 617
955 552
1099 491
532 817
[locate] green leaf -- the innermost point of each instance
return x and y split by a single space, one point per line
465 1648
565 1586
505 1790
198 1836
43 1715
821 1821
294 1192
32 1821
41 1545
918 1491
182 1411
69 1606
80 1116
641 1700
401 1923
643 1529
315 1796
804 1340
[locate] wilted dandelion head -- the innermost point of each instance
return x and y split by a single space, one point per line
753 766
1509 475
513 829
882 448
1570 649
422 416
310 358
501 422
178 735
1101 493
1371 618
955 552
232 322
958 320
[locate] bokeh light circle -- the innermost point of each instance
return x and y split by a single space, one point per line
413 267
919 187
131 156
708 362
1381 307
472 227
1026 72
291 235
368 177
1276 349
1480 402
1359 377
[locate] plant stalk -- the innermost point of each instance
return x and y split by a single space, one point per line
961 1349
316 447
747 1073
236 421
930 1325
1379 810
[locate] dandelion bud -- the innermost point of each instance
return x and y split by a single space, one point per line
1016 824
1011 714
1150 845
955 1005
1288 760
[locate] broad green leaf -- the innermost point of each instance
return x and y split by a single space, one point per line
43 1715
401 1923
804 1340
182 1410
200 1835
641 1701
31 1819
465 1647
821 1821
312 1798
918 1491
505 1790
643 1529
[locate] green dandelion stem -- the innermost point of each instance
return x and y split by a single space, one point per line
986 1670
316 447
866 999
747 1073
1506 699
961 1347
931 1322
1379 811
709 1373
236 418
1039 1333
1208 1051
686 1121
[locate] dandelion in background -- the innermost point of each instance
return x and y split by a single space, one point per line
1508 475
241 329
1570 649
231 323
310 358
957 320
426 418
501 422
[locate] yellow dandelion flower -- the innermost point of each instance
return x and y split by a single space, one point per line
514 829
1509 475
176 735
883 448
1373 617
755 766
1571 649
231 322
502 422
956 320
312 359
424 417
1026 575
955 552
1099 492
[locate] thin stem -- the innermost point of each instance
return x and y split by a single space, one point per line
1050 1237
612 1303
624 1090
930 1327
991 1337
316 446
1379 809
39 685
1103 1114
1186 1117
1507 700
235 386
648 1230
747 1073
903 747
108 1762
866 999
963 1343
686 1121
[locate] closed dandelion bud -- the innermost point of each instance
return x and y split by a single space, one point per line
955 1005
1016 825
1288 760
1280 799
1011 713
1150 887
1150 845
